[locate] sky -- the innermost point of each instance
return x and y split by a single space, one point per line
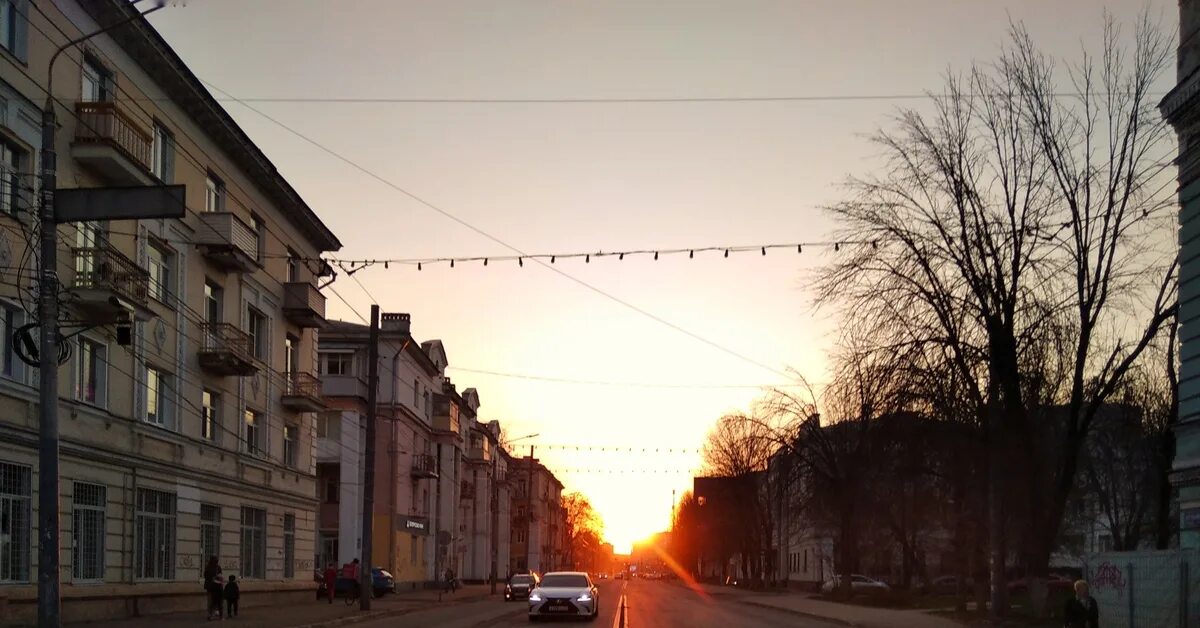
578 177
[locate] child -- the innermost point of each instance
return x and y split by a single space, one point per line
231 597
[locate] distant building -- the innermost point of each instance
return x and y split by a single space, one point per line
538 521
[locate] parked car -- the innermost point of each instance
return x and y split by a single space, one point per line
858 583
382 583
1054 583
946 585
519 585
565 594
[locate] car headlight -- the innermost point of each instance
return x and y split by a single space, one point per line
535 596
586 597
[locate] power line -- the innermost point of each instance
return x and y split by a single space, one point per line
591 382
497 240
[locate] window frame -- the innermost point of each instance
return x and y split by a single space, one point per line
210 532
252 446
161 521
291 446
260 339
13 158
83 513
160 260
215 194
162 153
289 545
345 361
104 80
100 384
16 505
253 537
210 415
12 368
161 390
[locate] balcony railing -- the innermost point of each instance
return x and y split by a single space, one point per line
302 392
226 350
424 466
105 123
228 241
107 282
303 304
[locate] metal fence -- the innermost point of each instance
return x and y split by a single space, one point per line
1146 589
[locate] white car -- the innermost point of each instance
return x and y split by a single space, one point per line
858 583
564 594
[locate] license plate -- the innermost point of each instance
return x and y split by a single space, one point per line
557 608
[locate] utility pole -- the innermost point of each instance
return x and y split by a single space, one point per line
529 512
365 578
495 518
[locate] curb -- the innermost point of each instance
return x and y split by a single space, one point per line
792 611
381 614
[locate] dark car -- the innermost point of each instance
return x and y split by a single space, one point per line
519 586
381 580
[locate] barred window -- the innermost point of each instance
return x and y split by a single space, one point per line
210 532
289 546
155 530
15 495
254 542
87 531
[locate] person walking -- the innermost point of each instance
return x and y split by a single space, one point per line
330 577
350 572
1082 610
450 585
232 595
212 587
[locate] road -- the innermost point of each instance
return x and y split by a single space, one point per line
648 605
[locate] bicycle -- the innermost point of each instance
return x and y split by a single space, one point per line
352 594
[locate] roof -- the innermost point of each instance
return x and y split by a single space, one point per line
156 57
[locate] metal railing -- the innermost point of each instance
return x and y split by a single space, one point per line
105 123
224 337
302 385
424 464
104 267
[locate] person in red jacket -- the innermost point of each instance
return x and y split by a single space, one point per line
330 577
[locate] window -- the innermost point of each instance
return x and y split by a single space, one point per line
9 18
15 497
214 194
155 532
289 546
212 303
11 181
290 445
330 483
805 560
97 81
88 235
254 542
257 328
210 532
87 531
90 384
337 363
210 420
158 397
329 549
11 366
416 397
291 357
1105 543
520 535
158 262
260 231
162 164
293 267
253 433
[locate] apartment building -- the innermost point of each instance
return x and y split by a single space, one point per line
538 521
193 437
406 473
479 499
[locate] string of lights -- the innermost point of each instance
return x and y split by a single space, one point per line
617 450
351 266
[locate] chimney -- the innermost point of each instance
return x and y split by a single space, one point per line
395 323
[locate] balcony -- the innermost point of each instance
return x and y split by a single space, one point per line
468 490
424 466
226 350
109 286
479 453
228 242
343 386
302 393
446 423
303 304
113 144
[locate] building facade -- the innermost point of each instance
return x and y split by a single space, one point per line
538 521
1181 107
192 436
406 472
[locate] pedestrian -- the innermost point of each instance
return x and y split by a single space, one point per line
1082 610
330 577
450 580
350 572
232 594
212 587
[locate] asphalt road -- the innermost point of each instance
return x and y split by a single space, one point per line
648 605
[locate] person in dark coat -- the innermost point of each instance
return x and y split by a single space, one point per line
1082 610
212 586
232 594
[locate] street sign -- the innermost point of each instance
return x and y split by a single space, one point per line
119 203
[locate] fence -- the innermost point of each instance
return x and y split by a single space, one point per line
1146 589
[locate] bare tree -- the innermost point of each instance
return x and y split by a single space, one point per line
584 528
1011 222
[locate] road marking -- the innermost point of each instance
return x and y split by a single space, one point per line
620 606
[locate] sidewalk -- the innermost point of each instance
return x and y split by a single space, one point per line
844 614
316 614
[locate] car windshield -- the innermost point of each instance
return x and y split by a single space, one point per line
564 581
521 580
